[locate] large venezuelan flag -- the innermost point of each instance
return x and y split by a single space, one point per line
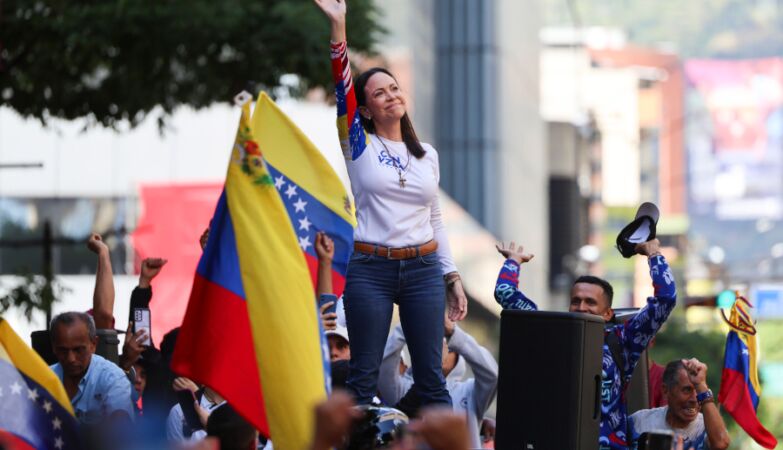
739 387
35 412
251 331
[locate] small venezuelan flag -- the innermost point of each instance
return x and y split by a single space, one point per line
739 385
35 412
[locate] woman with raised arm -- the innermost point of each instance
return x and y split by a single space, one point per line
401 252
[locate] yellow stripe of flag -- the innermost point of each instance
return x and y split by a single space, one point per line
740 316
277 136
280 300
15 351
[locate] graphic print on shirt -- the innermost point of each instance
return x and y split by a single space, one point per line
389 160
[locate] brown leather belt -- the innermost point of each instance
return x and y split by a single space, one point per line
396 253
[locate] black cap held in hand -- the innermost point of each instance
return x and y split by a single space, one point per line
641 229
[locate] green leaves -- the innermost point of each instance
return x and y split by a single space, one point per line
33 293
115 61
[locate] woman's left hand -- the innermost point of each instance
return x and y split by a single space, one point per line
456 301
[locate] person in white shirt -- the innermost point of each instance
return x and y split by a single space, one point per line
401 252
177 428
470 397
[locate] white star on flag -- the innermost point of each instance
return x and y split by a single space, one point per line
47 406
32 394
299 206
304 224
16 388
745 351
291 191
59 442
304 242
279 182
56 423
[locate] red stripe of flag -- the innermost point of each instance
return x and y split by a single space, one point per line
215 348
13 442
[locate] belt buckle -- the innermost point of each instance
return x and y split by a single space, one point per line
388 253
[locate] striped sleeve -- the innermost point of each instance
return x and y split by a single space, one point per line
637 332
507 291
353 139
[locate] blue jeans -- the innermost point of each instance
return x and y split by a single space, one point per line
373 284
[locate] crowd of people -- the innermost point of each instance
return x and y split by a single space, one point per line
131 399
114 393
406 388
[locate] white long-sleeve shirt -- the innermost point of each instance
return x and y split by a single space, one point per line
176 421
394 216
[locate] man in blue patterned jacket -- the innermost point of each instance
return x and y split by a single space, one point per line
593 295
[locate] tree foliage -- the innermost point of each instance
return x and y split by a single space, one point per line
113 61
35 293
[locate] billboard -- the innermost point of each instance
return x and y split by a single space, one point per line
735 138
768 301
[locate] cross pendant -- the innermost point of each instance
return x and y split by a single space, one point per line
402 181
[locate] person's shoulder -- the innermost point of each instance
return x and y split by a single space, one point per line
57 369
103 364
461 391
429 151
647 414
460 386
175 412
699 423
106 369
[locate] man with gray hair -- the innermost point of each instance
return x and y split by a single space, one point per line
691 411
98 389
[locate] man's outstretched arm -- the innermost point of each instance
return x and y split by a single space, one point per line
507 292
103 296
638 331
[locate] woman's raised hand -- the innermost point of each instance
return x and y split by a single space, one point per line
334 9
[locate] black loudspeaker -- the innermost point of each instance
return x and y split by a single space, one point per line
42 344
549 386
637 395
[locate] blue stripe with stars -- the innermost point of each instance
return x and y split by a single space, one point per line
308 216
30 412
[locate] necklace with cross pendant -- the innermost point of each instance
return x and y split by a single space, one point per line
397 164
402 179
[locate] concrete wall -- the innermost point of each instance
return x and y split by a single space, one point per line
521 193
